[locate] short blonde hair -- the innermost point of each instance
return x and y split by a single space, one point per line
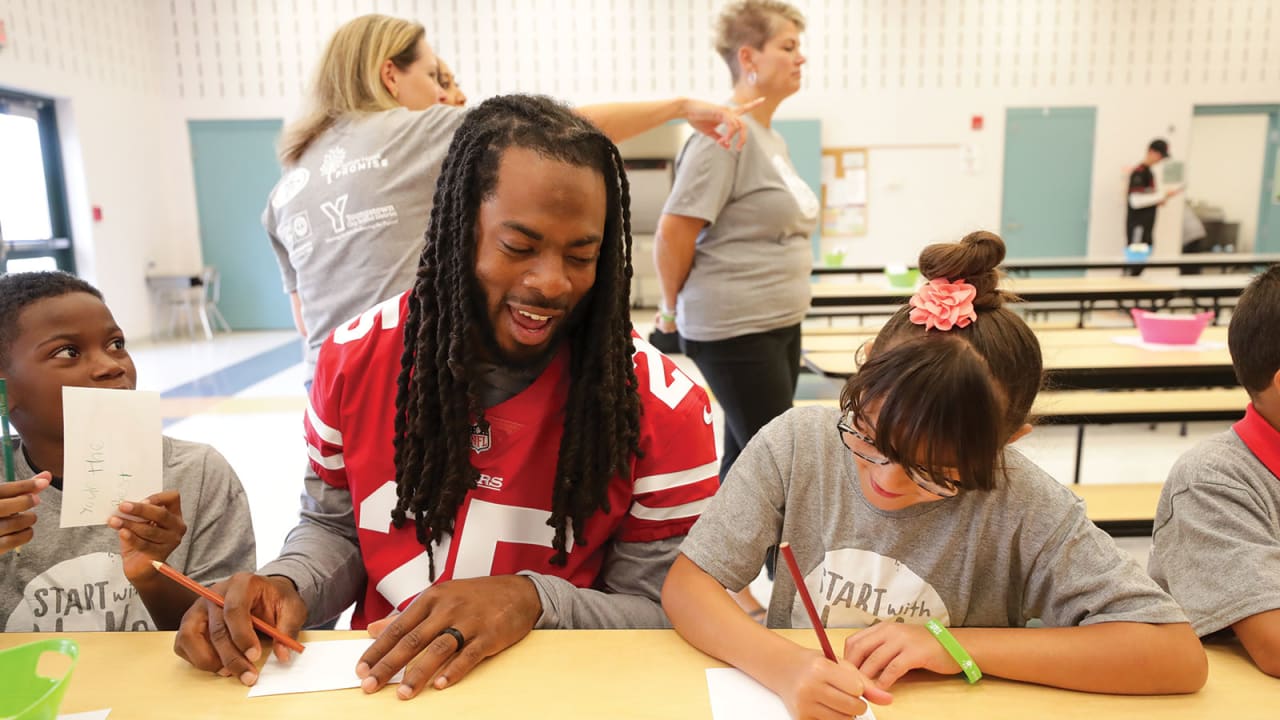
349 77
751 23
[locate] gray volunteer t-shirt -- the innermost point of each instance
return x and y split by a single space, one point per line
347 222
1216 544
72 579
982 559
752 261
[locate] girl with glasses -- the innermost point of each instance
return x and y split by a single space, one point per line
911 515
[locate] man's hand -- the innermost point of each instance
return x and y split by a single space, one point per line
154 536
17 500
223 640
886 651
490 613
720 123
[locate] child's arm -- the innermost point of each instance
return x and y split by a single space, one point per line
1127 658
17 522
154 537
810 685
1260 635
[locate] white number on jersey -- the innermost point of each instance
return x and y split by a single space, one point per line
358 328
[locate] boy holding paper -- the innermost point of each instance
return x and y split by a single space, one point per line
55 331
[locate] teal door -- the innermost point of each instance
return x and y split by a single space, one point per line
1048 176
235 168
1269 208
804 145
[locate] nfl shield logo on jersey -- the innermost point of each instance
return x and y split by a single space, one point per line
480 441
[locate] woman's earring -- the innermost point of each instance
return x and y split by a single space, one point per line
751 78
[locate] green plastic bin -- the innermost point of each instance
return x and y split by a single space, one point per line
28 695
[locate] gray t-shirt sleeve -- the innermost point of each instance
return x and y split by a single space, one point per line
1215 546
1078 576
322 554
630 595
288 276
744 519
704 180
219 536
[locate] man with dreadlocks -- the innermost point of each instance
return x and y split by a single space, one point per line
496 450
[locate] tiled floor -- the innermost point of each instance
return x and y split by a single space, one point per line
242 393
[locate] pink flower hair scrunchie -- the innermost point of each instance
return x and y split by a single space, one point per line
943 304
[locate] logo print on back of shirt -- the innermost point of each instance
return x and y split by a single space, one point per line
481 441
334 210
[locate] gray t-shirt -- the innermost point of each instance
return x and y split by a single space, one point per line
1216 544
982 559
752 262
347 222
72 579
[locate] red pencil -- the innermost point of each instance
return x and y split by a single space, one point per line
216 599
785 548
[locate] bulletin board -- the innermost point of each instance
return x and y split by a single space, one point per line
844 191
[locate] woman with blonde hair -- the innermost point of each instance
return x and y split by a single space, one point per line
347 219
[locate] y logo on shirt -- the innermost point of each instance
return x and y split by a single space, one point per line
859 588
334 210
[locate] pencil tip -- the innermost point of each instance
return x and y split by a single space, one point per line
156 564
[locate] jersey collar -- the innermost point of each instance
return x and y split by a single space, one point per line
1261 439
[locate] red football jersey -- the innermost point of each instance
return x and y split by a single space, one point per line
501 527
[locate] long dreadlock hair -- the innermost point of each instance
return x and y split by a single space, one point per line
437 397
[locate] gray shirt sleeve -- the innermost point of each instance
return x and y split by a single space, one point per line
322 554
219 536
288 275
1217 551
631 597
1080 577
704 180
745 517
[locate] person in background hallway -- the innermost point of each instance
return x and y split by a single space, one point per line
347 218
732 247
1146 193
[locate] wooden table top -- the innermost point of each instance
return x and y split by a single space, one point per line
623 674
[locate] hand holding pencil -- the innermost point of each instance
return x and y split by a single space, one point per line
17 501
824 685
219 636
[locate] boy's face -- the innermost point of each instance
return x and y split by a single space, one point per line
72 340
538 241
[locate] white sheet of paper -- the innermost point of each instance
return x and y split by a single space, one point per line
1137 341
735 695
828 168
112 451
326 665
88 715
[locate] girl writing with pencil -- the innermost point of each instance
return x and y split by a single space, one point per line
911 516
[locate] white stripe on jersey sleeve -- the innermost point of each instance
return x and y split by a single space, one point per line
328 462
667 481
330 435
644 512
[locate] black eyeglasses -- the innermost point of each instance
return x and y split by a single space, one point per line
868 453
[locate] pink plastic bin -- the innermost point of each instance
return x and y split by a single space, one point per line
1170 329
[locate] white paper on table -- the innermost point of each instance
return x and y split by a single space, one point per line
326 665
112 452
735 695
1137 341
88 715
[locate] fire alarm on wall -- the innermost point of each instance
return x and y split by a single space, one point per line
975 123
4 36
97 213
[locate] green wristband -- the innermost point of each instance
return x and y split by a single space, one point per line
956 650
